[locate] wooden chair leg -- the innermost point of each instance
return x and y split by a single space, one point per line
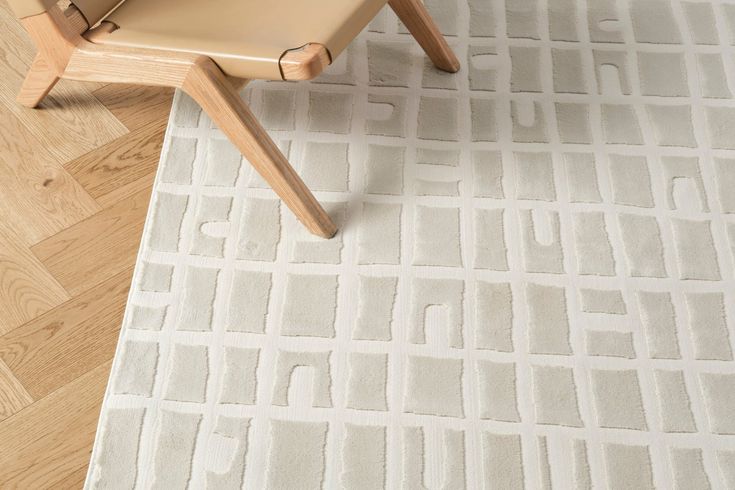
414 15
215 93
40 80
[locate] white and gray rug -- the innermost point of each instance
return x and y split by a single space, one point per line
533 286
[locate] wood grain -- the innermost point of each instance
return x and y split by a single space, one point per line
42 198
70 108
57 347
45 443
101 246
27 288
128 191
38 83
120 162
135 105
304 63
56 341
74 479
42 75
13 395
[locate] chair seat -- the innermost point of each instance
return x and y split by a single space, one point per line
246 38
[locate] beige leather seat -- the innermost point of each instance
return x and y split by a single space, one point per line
246 38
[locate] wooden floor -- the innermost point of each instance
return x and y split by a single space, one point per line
75 180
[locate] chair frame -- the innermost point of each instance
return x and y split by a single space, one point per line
67 49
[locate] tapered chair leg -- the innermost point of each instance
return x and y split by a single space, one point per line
206 84
414 15
40 80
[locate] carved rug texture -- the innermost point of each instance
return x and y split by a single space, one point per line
533 286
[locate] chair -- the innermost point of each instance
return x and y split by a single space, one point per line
210 49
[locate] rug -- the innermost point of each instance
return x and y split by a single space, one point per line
533 285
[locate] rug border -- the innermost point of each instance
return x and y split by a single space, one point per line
147 224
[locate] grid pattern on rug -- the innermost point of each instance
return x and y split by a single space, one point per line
533 284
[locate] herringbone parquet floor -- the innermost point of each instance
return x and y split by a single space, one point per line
75 179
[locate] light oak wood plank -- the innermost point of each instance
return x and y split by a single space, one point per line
13 396
46 443
98 247
73 480
36 194
127 191
121 162
66 342
136 105
70 121
51 441
27 289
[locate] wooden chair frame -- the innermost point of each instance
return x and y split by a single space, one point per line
67 49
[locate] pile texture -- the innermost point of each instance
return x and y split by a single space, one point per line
533 285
